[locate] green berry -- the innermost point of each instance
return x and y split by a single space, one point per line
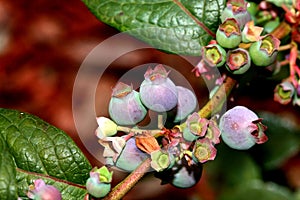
213 55
238 61
229 34
264 52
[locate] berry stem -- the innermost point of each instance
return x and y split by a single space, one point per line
160 122
218 99
285 47
129 182
137 130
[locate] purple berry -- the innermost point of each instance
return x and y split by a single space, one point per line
131 157
186 104
125 106
157 91
41 191
241 128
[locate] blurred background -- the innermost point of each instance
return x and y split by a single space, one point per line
43 45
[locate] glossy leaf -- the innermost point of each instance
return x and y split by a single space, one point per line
232 167
67 190
177 26
30 144
283 143
8 184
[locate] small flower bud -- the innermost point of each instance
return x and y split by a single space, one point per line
264 52
161 160
204 150
229 34
284 92
98 185
213 55
238 61
106 127
195 127
213 132
40 190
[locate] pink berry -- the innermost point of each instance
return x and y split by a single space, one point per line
241 128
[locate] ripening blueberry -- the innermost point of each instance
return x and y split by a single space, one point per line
186 104
42 191
125 106
98 184
131 157
157 91
241 128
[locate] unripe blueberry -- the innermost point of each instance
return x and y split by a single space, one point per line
236 9
229 34
98 185
284 92
241 128
213 55
41 191
125 106
131 157
157 91
238 61
186 104
264 52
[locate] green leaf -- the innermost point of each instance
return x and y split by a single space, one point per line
8 184
257 190
30 144
177 26
283 143
68 191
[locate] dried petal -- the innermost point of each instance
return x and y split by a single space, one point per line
146 142
251 33
213 132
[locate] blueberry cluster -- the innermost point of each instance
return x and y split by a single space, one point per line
238 42
176 154
157 93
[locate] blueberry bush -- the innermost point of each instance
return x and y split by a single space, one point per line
241 48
